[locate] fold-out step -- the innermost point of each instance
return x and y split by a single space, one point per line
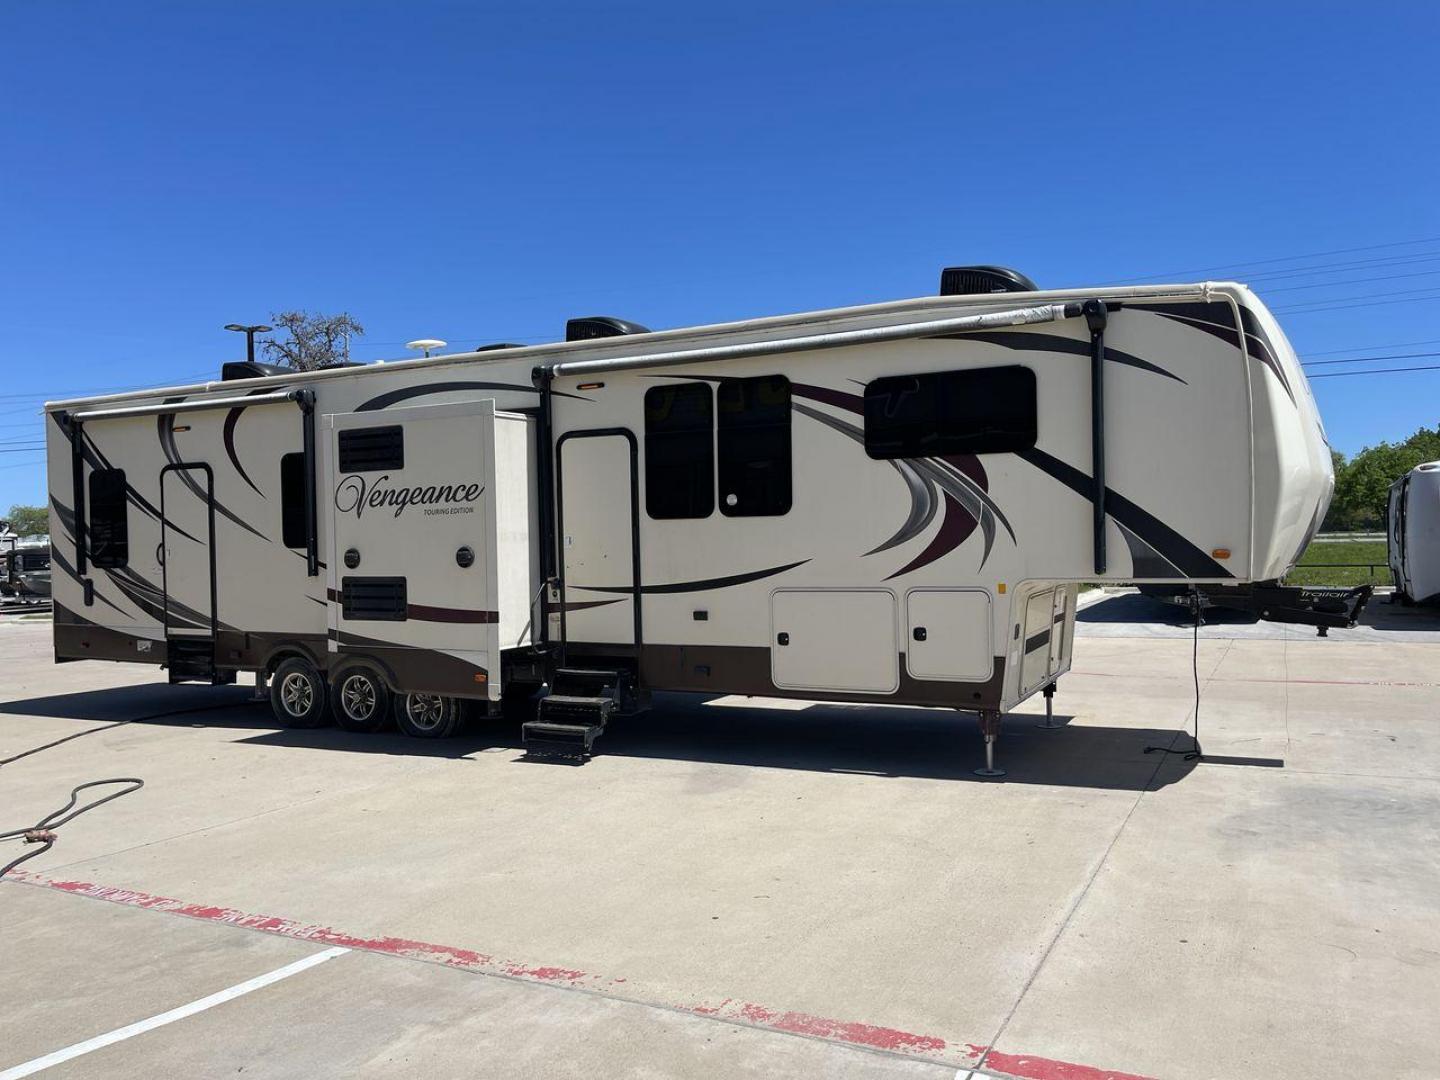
573 741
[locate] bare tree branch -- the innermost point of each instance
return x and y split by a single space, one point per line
315 340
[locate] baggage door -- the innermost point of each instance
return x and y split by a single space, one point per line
413 577
948 634
597 489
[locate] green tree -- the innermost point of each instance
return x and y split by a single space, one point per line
29 520
315 340
1362 485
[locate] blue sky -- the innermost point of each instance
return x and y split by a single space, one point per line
481 173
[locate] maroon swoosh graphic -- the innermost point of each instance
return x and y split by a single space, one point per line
840 399
426 613
585 604
955 528
970 465
429 613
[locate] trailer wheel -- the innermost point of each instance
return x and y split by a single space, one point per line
427 716
360 700
298 694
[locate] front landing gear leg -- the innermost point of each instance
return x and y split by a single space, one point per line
990 728
1048 724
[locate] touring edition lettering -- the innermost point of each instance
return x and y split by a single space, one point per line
355 494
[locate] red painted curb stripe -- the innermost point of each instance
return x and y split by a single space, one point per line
871 1036
1037 1068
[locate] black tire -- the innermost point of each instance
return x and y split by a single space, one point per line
360 700
298 694
427 716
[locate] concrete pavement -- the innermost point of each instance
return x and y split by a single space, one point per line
734 890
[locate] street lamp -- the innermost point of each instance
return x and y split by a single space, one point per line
249 332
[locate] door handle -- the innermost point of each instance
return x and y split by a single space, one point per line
919 633
782 639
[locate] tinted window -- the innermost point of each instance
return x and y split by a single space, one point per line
372 449
109 525
679 451
753 439
294 521
981 411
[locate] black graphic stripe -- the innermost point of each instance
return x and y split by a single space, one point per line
1026 342
231 419
58 559
407 393
1037 641
91 454
164 425
697 586
1215 319
1173 547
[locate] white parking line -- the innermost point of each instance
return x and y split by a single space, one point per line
161 1019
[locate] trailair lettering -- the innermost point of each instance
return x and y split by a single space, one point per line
356 495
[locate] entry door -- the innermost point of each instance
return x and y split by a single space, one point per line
187 542
597 482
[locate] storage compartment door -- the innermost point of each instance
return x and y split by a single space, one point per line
412 558
1038 664
948 634
834 640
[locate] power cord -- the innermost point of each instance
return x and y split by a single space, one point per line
43 831
1195 753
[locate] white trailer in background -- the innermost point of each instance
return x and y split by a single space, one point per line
893 503
1412 533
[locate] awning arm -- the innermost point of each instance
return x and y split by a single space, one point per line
932 328
199 404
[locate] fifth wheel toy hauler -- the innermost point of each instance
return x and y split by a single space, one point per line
892 503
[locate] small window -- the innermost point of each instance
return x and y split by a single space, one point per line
372 449
679 451
754 446
981 411
109 525
294 514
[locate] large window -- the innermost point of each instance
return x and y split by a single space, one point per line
679 451
754 446
294 513
980 411
109 525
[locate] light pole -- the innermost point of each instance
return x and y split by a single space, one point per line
249 332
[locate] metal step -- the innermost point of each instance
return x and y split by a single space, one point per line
585 682
191 660
573 709
571 741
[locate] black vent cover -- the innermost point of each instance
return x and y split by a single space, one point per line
975 280
370 449
380 599
498 345
598 326
251 369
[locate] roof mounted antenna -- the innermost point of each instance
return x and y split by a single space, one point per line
425 344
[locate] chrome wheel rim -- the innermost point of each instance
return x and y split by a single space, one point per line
358 697
296 694
427 711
